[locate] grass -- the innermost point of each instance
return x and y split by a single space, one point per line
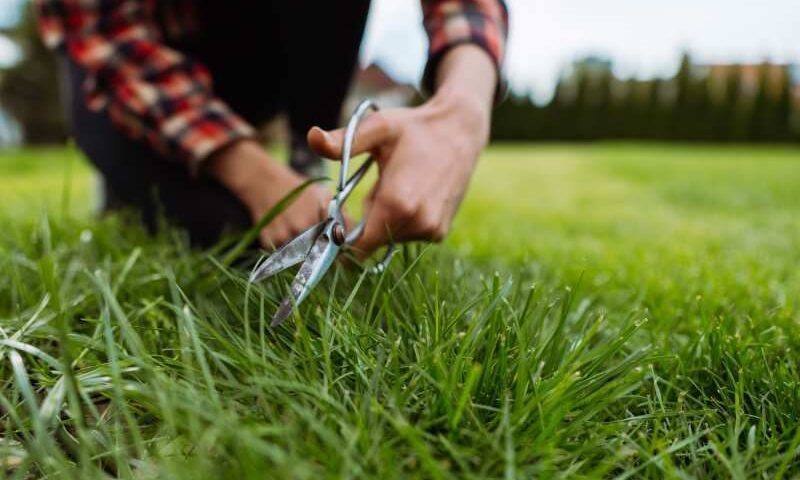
609 310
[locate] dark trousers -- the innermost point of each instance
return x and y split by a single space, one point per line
265 57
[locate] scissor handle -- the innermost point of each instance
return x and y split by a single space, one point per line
347 185
347 149
350 184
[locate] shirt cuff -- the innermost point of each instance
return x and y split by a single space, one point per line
459 24
198 133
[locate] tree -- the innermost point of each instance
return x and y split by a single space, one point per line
759 115
736 105
783 108
29 90
713 103
682 107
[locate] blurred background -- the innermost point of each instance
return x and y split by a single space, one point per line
647 150
716 70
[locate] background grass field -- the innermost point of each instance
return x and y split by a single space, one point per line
598 310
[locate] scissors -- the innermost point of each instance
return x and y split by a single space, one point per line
318 246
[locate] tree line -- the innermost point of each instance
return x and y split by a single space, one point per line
29 90
737 103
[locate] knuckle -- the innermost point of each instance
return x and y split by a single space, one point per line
274 238
430 226
382 123
280 239
400 207
439 233
292 231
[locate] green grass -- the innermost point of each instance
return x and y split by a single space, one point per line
598 311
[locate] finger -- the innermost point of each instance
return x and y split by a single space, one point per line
369 216
322 208
424 233
272 239
348 260
381 229
349 222
376 233
428 224
374 132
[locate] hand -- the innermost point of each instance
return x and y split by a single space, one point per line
260 183
426 155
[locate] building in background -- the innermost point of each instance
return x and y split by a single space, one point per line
701 102
374 82
751 76
10 135
30 93
736 102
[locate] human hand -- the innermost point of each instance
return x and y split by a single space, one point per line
426 155
260 183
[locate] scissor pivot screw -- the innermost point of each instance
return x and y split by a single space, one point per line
337 234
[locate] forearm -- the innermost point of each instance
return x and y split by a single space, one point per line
151 92
466 81
242 167
260 182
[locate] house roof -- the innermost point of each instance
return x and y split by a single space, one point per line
375 78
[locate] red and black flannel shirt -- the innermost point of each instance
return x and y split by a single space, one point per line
155 93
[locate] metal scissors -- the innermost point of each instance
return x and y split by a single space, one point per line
318 246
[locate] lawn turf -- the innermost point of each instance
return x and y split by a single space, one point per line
598 310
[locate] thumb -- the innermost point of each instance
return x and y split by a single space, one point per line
376 234
374 132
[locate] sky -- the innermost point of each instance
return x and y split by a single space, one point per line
644 37
9 12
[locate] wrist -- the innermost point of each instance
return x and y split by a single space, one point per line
241 167
466 115
468 69
466 84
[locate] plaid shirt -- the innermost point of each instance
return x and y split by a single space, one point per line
154 93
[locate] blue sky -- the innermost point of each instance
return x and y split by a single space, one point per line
8 14
644 37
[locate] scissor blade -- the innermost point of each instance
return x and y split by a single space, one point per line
318 261
288 255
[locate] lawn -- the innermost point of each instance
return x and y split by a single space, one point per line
599 310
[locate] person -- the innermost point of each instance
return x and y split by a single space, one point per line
164 95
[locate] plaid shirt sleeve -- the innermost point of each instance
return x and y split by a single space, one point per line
151 92
453 22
